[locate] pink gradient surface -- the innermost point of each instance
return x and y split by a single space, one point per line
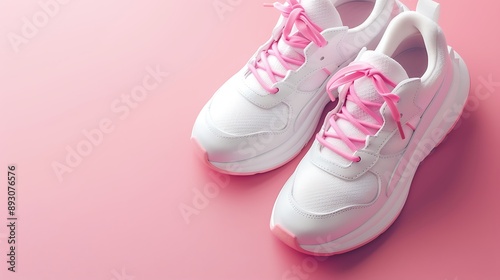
114 214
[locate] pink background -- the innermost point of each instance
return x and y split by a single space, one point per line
116 215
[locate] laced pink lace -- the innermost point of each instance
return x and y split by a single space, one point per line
346 77
308 32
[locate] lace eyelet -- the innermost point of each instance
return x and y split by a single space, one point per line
359 159
322 58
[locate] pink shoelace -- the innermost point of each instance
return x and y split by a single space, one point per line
294 14
346 77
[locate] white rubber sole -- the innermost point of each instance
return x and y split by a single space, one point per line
438 119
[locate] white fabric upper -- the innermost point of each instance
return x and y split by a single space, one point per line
319 192
233 113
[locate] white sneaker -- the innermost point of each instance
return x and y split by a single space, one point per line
265 114
396 104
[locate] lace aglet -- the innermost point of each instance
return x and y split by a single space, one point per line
400 128
268 4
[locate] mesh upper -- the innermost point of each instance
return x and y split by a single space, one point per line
323 14
319 192
234 114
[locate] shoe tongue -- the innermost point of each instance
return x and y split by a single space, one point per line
365 90
385 64
322 13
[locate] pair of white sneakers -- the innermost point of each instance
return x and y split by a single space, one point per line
395 104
